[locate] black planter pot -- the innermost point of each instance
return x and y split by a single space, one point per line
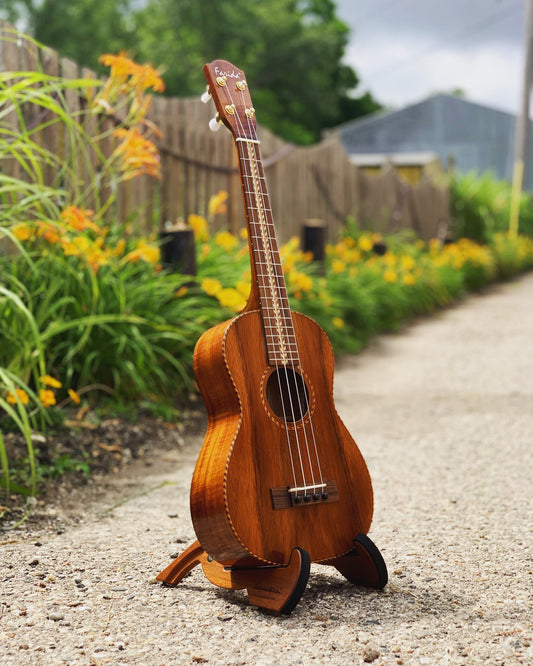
178 251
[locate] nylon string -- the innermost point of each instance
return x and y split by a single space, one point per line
277 288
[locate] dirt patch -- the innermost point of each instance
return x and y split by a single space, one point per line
83 453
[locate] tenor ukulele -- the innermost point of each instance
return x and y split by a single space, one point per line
279 482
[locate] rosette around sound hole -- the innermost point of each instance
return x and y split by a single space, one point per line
287 394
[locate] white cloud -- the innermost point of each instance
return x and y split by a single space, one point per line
405 54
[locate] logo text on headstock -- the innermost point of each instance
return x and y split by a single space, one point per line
229 75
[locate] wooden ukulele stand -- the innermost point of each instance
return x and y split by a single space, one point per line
280 588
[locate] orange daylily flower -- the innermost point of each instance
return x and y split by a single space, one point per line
22 396
48 380
79 219
47 397
217 203
74 396
136 154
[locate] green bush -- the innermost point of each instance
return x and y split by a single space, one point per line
479 207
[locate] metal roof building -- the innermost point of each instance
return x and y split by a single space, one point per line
472 136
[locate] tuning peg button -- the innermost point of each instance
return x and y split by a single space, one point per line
206 96
214 124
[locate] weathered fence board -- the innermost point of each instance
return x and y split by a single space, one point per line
304 182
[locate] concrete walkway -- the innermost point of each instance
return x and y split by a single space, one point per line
443 415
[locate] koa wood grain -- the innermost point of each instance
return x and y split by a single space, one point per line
279 481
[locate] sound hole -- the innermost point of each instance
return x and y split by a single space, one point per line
287 394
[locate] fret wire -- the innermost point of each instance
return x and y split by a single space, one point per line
250 162
249 192
271 327
286 316
284 311
276 314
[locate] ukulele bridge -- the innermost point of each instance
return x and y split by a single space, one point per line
318 493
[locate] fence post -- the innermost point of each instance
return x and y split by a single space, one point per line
314 238
178 250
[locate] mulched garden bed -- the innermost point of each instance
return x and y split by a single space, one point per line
86 446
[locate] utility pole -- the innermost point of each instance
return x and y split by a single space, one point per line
522 123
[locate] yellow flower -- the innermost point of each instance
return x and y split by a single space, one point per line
390 259
23 231
338 266
211 286
47 380
96 258
148 253
390 275
288 264
70 249
290 246
230 298
365 243
243 233
199 226
435 245
82 243
337 322
226 240
408 279
75 397
47 397
49 231
301 281
408 263
243 288
118 250
22 396
217 204
181 292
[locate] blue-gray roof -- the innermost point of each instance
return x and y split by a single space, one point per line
477 137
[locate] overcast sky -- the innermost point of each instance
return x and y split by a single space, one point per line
405 50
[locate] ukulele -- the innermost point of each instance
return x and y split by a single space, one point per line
278 472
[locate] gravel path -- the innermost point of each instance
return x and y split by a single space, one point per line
442 414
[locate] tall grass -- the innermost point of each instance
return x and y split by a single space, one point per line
79 305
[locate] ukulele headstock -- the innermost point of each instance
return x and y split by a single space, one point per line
229 90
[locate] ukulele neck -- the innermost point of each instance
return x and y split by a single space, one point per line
264 256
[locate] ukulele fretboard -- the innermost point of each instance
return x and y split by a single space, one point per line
277 319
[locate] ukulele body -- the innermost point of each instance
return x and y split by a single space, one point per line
252 454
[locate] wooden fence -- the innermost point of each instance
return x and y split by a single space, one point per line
316 182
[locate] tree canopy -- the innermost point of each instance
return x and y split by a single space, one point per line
291 50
